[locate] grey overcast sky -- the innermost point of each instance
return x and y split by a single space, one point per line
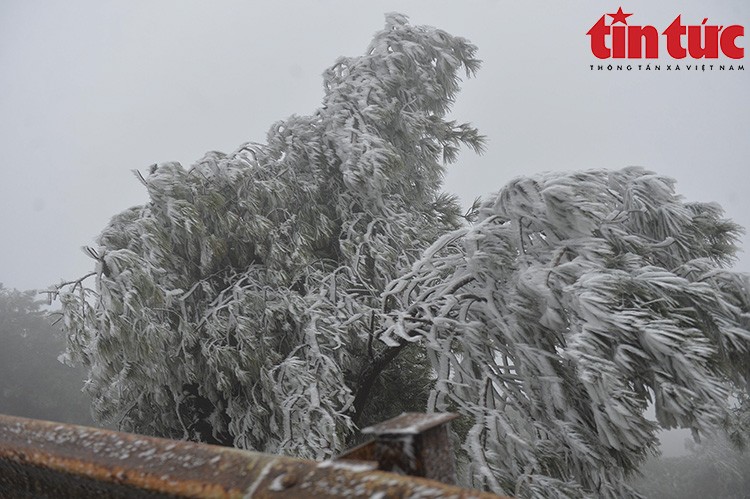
90 90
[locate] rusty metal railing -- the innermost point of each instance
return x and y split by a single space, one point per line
413 444
46 459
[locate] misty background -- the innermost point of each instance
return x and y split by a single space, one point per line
92 90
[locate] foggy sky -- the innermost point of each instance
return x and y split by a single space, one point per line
90 90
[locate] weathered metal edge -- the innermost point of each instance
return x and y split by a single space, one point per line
48 459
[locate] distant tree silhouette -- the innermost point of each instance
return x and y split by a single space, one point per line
33 383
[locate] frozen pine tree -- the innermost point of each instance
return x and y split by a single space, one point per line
574 302
242 304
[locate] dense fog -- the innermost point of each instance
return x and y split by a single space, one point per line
91 92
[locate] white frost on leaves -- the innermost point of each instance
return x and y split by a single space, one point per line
241 303
245 299
553 319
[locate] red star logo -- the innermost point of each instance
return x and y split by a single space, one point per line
619 17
